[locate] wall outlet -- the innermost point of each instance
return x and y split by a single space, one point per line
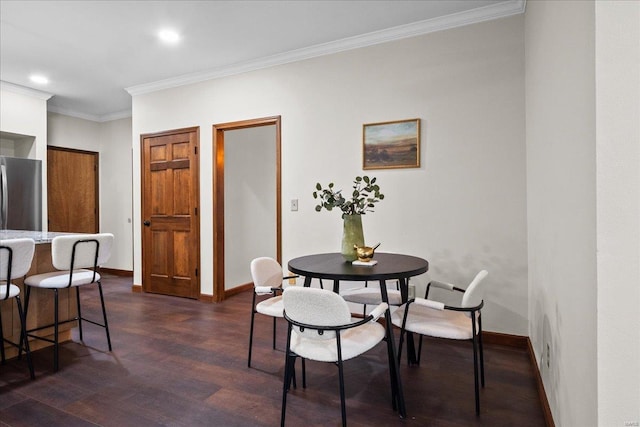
294 205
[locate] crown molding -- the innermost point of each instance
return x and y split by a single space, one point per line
92 117
486 13
23 90
124 114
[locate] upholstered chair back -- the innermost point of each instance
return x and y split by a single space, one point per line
85 252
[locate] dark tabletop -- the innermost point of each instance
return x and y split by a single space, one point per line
333 266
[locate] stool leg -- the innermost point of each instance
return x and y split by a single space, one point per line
104 315
23 336
1 342
79 311
26 311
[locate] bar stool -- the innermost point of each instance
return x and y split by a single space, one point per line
77 258
16 256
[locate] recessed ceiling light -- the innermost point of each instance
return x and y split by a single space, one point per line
39 79
169 36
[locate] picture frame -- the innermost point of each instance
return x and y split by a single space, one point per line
391 145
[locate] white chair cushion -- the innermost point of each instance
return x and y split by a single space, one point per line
13 292
60 279
271 307
371 296
435 323
354 342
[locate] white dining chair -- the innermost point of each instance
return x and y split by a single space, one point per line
436 319
267 285
77 259
16 256
370 295
320 328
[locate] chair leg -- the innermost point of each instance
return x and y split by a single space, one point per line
342 398
274 333
481 351
286 382
304 374
475 365
79 312
419 351
253 315
289 378
23 336
293 372
402 332
55 331
104 315
341 376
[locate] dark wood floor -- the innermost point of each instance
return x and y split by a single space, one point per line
179 362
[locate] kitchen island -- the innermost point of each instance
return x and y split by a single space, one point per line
41 301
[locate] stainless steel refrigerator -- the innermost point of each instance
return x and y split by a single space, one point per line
20 194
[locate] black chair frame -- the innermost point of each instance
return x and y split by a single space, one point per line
56 323
24 341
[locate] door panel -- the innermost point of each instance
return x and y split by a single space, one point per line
72 190
171 240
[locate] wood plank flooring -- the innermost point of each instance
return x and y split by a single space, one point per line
180 362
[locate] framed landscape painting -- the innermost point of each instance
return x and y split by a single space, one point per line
389 145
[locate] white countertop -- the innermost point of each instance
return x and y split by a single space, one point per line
38 236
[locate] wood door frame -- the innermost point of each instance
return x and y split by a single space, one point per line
196 190
96 164
218 196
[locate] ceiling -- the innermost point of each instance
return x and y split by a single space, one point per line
96 54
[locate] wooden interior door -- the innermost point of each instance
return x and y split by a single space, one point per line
72 190
170 197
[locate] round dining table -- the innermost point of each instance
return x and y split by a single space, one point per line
387 266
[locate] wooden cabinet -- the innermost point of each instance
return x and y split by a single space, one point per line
40 307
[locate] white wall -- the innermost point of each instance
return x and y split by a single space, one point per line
115 190
24 111
618 212
561 201
250 200
71 132
112 140
463 210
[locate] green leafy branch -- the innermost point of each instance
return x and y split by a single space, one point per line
363 198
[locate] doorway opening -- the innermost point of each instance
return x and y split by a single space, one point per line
246 199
